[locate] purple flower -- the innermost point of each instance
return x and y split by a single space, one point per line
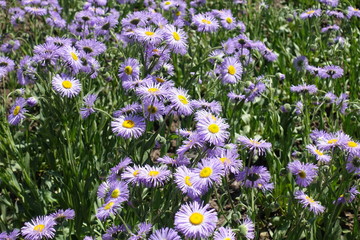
304 88
89 103
305 172
115 171
63 214
320 155
205 23
307 201
332 3
311 13
348 197
227 20
231 70
66 86
32 101
254 90
132 108
230 159
255 177
256 145
131 126
332 140
214 106
194 220
17 111
184 179
154 176
111 207
247 229
11 236
331 72
213 130
224 233
299 107
39 228
9 46
6 65
72 57
331 27
176 39
165 233
336 14
353 163
208 172
353 12
144 229
90 47
131 174
301 63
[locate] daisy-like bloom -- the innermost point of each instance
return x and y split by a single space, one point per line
195 220
231 70
307 201
180 101
353 12
311 13
149 35
111 207
305 172
154 110
72 57
331 27
63 214
227 20
205 23
10 46
352 147
176 39
131 175
131 126
299 106
213 106
115 172
230 159
348 197
331 72
353 163
332 140
332 3
255 145
213 130
254 90
112 232
90 47
89 103
39 228
154 176
194 141
11 236
300 63
117 191
32 101
224 233
132 108
6 65
320 155
184 181
304 88
255 177
17 111
144 229
208 172
247 229
151 91
336 14
165 234
36 11
129 70
66 86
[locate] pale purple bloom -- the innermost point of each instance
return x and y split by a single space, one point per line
332 140
254 90
331 72
336 14
213 106
89 103
299 107
320 155
144 229
255 177
205 23
129 70
180 101
348 197
305 172
111 207
13 235
311 13
129 109
353 163
165 234
231 70
353 12
63 214
255 145
17 111
247 229
32 101
331 27
39 228
154 176
176 39
307 201
213 130
224 233
131 126
304 88
66 86
184 179
208 172
301 63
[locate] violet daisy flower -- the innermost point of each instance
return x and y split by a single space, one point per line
254 90
320 155
154 176
353 12
66 86
299 107
89 103
149 35
205 23
10 46
336 14
304 88
311 13
331 72
113 232
247 229
129 109
131 126
180 101
255 145
352 147
144 229
213 130
6 65
305 172
224 233
255 177
194 220
231 70
301 63
63 214
152 91
32 101
11 236
183 178
332 140
154 110
208 172
36 11
331 27
17 111
90 47
39 228
117 191
129 70
227 20
72 57
353 163
230 159
131 175
111 207
213 106
165 234
176 39
115 172
307 201
348 197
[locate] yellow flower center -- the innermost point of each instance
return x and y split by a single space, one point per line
176 36
213 128
67 84
115 193
135 173
167 3
352 144
229 20
254 142
128 124
205 172
153 90
149 33
16 110
302 174
310 12
356 10
224 159
309 199
196 218
318 152
231 70
332 141
153 173
206 21
152 109
187 181
160 80
74 56
227 238
178 13
39 227
128 70
342 195
109 205
183 99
